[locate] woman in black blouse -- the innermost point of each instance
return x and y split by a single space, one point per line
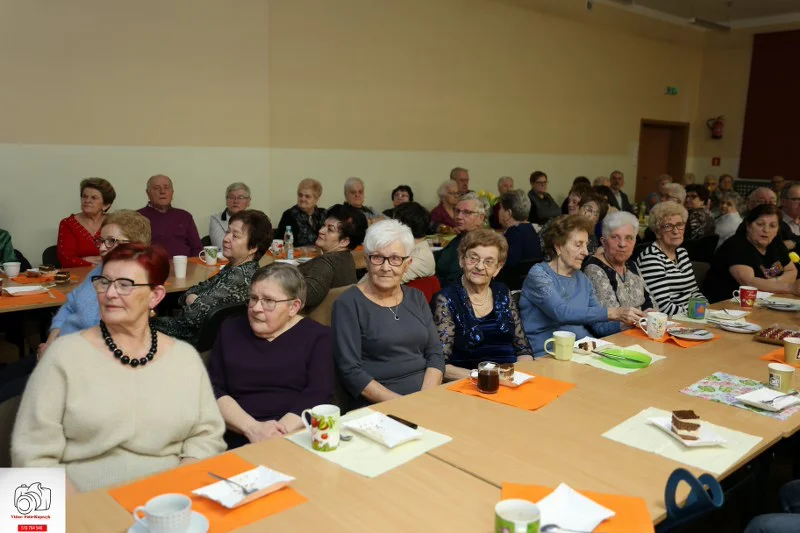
305 218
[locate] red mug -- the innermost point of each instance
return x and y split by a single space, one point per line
746 296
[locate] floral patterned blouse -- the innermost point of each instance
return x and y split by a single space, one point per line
699 224
231 285
467 340
613 290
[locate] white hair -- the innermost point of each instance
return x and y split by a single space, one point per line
236 186
677 190
618 219
383 233
348 184
446 185
502 179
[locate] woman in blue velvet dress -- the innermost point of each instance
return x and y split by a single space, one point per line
477 319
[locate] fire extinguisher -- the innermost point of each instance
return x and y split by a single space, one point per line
717 127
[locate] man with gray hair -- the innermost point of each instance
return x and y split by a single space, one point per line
354 196
461 176
504 184
469 215
790 216
172 228
761 196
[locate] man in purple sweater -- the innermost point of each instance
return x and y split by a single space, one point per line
172 228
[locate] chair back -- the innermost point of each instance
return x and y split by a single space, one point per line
702 250
206 241
214 320
24 263
429 286
513 277
8 414
50 256
322 312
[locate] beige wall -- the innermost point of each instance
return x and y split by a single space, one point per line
269 91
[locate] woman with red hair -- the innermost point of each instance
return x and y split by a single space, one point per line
119 401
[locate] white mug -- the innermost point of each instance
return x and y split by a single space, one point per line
323 426
168 513
11 269
209 255
654 324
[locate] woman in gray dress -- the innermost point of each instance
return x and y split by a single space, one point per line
385 342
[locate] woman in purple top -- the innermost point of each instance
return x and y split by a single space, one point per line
267 367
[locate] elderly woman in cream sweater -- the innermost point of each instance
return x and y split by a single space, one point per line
119 401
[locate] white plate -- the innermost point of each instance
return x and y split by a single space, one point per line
436 248
383 430
747 327
519 378
303 259
781 306
758 396
261 478
706 437
697 335
199 524
599 343
24 290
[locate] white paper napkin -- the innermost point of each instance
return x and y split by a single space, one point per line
572 510
729 314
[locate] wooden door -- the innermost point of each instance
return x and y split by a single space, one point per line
662 150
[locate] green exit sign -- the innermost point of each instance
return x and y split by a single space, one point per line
671 91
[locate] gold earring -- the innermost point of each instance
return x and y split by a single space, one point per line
152 313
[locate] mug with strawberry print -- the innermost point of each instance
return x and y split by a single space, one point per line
324 427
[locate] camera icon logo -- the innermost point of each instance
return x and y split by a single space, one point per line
33 497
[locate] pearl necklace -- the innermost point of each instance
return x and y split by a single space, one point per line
485 296
124 359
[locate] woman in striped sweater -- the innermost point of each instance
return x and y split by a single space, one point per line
664 265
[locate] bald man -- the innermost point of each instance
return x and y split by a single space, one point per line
760 196
172 228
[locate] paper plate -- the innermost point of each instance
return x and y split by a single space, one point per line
261 478
747 327
706 438
24 290
757 398
691 334
781 306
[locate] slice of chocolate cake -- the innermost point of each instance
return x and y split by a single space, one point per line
686 424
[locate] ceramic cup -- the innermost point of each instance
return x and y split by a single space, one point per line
277 247
746 296
516 516
179 262
780 377
209 255
168 513
654 324
791 351
564 343
324 427
11 269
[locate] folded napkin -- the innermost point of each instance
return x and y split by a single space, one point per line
728 314
572 510
775 356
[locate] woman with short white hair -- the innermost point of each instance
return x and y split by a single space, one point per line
237 198
665 265
306 217
443 217
385 342
673 192
614 276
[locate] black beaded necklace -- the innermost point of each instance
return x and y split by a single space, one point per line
124 359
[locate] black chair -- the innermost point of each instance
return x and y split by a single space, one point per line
206 241
702 250
214 320
514 276
24 263
50 257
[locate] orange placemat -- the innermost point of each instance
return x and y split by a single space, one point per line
187 478
530 396
198 261
632 514
7 301
24 280
775 356
639 334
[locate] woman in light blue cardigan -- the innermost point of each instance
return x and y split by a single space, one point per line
557 296
81 311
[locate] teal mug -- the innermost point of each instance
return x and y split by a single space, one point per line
516 516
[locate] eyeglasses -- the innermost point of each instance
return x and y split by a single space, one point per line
465 212
267 304
680 226
473 259
239 198
394 260
589 210
123 286
110 242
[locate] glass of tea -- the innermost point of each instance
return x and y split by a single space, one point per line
488 380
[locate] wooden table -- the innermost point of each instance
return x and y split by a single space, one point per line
455 486
422 495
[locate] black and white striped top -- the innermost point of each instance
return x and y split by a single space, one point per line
671 284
